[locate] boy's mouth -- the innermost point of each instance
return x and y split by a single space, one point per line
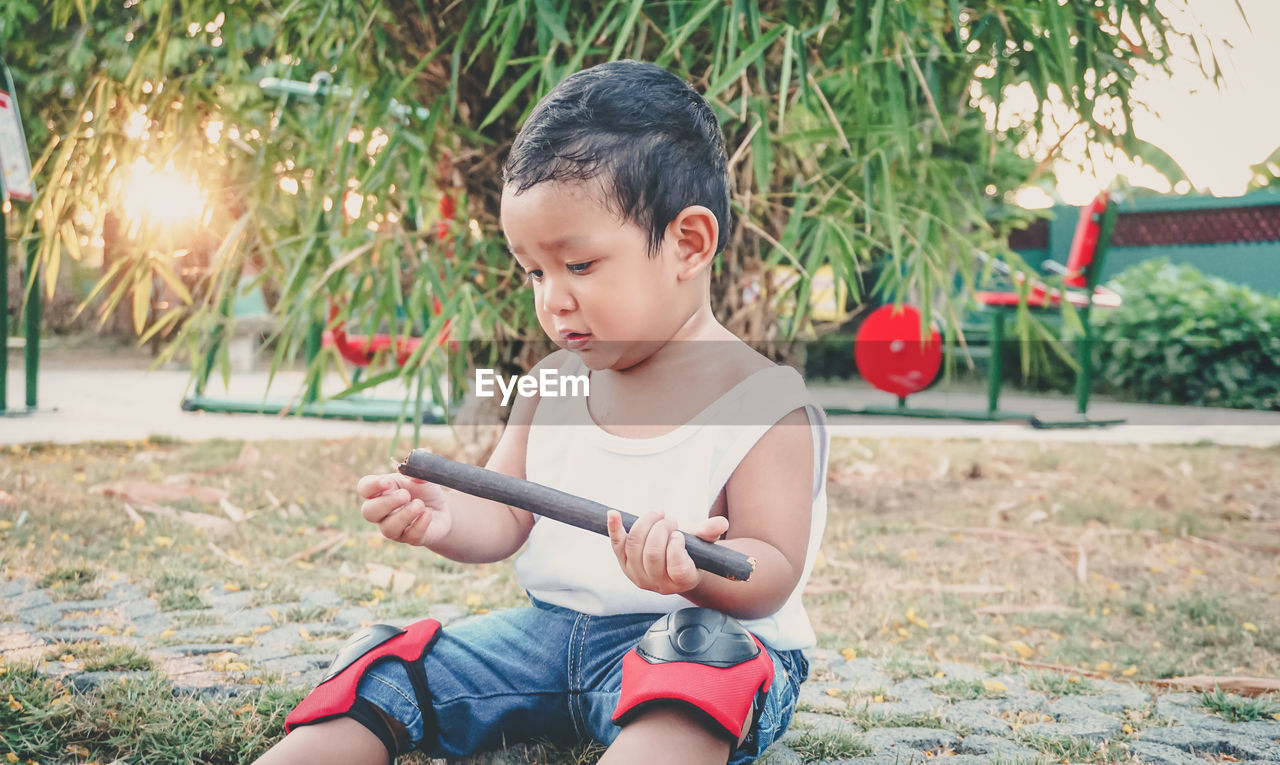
574 340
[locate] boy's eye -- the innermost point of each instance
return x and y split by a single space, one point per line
535 275
579 268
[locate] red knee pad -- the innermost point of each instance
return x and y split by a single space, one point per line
336 693
701 658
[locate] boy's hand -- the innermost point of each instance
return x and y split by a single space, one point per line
405 509
653 554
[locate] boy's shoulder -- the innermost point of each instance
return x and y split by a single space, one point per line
735 360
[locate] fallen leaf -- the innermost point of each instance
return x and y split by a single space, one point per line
388 578
236 514
145 493
1249 627
994 686
209 523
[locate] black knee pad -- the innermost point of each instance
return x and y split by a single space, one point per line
700 658
335 696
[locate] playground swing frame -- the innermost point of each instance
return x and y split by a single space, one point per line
1093 231
32 305
364 408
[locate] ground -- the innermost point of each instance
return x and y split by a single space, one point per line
952 575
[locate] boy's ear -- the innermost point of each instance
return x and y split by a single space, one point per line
695 231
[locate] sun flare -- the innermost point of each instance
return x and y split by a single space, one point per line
163 196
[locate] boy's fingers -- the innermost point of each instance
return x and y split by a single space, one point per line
634 547
395 525
680 568
371 486
377 509
654 554
712 528
617 534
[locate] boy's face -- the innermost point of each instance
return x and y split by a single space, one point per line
596 290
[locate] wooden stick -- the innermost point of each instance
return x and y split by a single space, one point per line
560 506
316 549
1005 609
1245 686
1041 665
1269 549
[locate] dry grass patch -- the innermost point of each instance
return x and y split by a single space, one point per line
1119 561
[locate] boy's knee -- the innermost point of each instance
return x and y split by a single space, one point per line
701 661
377 679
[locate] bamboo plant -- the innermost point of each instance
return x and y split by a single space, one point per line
864 135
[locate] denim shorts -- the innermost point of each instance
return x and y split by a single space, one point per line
541 673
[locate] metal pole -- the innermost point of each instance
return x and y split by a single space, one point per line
4 306
314 343
4 293
32 322
31 316
995 365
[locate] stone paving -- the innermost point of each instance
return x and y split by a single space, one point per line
851 710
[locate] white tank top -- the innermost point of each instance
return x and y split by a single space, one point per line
680 473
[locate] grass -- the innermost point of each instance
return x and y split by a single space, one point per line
140 720
901 668
959 690
1056 684
839 745
98 657
1073 749
935 552
72 583
1237 708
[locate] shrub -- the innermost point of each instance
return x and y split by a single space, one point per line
1181 337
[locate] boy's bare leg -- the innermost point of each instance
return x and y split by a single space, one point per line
667 734
341 740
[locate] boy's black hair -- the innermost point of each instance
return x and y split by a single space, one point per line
646 134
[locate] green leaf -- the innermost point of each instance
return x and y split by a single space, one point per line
514 92
548 16
748 57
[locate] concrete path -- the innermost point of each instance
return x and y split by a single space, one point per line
851 710
87 396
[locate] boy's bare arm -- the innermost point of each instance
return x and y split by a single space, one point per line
770 505
458 526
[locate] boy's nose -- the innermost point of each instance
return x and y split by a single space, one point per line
556 297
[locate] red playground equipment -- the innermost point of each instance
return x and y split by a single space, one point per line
893 356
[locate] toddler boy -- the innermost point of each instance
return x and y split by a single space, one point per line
615 204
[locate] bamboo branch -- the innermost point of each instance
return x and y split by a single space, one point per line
328 544
987 655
